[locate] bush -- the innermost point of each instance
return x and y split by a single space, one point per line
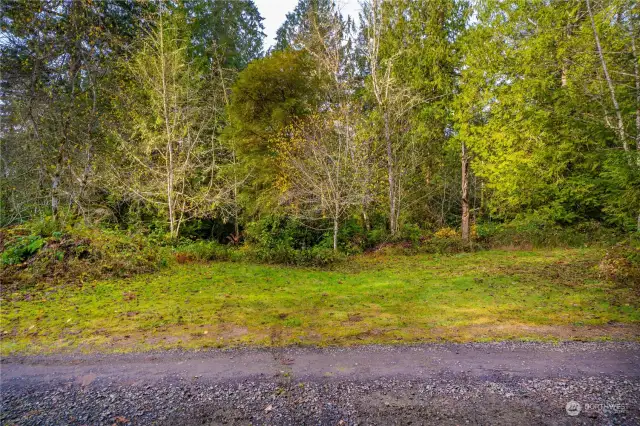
207 229
352 238
283 240
411 232
444 241
315 256
377 236
446 233
320 256
202 251
45 227
21 249
281 232
544 233
72 255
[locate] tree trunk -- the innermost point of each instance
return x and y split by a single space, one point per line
74 67
236 226
393 225
170 191
465 194
366 194
85 176
365 219
605 70
169 161
90 135
636 74
55 201
335 233
55 181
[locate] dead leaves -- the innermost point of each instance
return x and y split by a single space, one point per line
129 296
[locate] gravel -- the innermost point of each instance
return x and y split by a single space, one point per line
334 386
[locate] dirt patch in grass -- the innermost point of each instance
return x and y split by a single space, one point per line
185 339
228 332
546 332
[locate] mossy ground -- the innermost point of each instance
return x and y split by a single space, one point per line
545 294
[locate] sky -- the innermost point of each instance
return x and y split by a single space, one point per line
274 13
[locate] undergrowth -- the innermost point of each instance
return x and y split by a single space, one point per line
46 253
621 263
73 254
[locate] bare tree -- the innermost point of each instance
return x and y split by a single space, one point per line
636 75
323 169
167 148
323 160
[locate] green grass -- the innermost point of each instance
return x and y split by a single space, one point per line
370 299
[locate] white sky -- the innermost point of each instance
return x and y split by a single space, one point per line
275 11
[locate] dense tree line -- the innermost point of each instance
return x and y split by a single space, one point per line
421 114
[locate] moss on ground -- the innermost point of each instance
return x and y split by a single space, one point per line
545 294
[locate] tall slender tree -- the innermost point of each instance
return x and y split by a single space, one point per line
165 146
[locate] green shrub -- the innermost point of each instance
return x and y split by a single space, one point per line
315 256
544 233
377 236
204 251
486 231
444 241
411 232
73 255
320 256
351 237
45 227
276 232
21 249
283 240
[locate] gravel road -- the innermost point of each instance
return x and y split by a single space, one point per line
503 383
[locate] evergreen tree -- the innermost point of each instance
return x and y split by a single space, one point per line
308 16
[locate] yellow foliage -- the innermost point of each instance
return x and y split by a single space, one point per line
446 233
473 231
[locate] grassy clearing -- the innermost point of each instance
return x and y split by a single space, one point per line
371 299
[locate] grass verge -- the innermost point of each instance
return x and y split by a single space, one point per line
546 294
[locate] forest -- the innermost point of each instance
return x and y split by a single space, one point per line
425 170
419 212
443 124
